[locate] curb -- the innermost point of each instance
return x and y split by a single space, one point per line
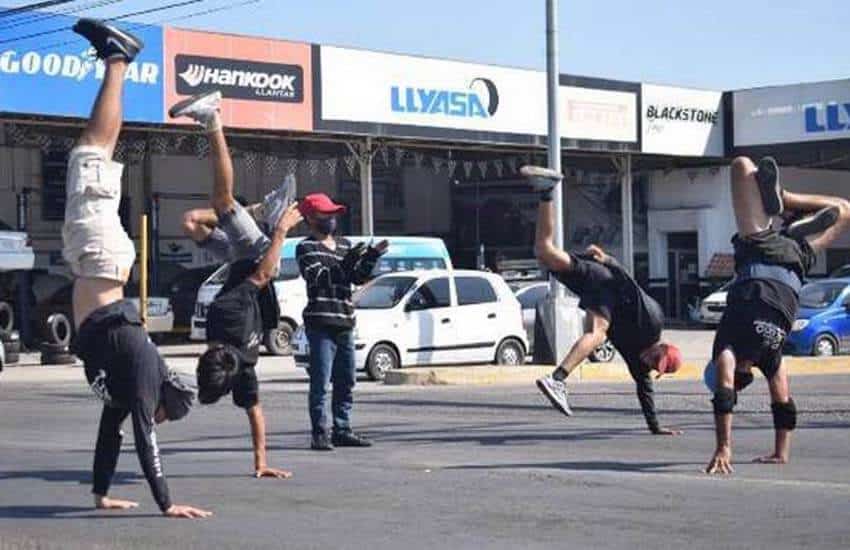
489 375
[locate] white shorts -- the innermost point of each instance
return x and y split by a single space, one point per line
95 244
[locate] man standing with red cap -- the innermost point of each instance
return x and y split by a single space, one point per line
617 309
331 265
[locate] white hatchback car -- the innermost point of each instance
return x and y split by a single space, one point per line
432 317
712 306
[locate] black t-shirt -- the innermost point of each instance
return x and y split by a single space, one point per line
234 318
635 318
771 248
753 294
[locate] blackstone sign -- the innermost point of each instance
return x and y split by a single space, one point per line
680 121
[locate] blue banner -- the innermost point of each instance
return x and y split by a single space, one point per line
54 73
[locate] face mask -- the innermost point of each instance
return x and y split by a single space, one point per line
325 226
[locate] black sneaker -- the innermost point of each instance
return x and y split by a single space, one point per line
817 223
767 177
109 42
350 439
321 442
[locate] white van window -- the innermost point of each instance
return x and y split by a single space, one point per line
288 270
474 290
392 265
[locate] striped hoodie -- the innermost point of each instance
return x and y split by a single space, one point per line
329 281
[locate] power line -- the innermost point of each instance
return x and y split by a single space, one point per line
51 15
152 10
118 18
34 6
135 26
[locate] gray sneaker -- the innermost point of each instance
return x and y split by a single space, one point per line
556 392
541 179
200 108
276 202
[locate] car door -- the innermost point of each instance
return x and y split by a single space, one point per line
478 319
429 323
840 321
528 299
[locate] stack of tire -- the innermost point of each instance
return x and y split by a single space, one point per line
9 338
11 345
55 351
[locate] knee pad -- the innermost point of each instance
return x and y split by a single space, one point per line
784 415
724 401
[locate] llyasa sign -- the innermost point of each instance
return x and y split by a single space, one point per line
266 84
829 118
239 79
415 96
681 121
792 114
479 100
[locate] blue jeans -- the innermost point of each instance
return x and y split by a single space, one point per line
331 360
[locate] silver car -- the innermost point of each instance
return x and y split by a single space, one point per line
529 296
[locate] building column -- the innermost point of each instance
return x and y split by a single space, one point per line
364 153
624 164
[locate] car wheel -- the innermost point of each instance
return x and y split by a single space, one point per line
604 353
382 358
510 352
824 346
59 329
7 317
279 341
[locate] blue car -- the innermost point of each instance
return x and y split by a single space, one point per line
823 322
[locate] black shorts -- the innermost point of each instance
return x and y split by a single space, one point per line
754 331
246 389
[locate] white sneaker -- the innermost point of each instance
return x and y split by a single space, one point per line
556 392
200 108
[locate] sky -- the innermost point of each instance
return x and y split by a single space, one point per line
721 44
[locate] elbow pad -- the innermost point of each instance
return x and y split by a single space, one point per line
724 401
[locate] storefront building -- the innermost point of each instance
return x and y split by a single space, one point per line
416 146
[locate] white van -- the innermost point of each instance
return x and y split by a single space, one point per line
437 317
404 254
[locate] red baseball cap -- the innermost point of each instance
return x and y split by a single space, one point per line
671 361
319 203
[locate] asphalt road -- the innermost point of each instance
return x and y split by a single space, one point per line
452 468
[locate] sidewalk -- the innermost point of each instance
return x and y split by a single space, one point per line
588 372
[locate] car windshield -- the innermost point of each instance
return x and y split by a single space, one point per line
820 295
383 293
